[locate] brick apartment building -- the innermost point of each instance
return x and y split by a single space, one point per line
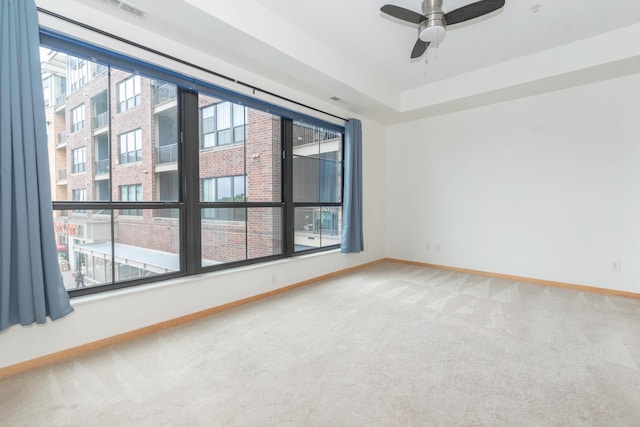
113 136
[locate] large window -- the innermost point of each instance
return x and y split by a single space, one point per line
130 144
129 94
317 186
197 183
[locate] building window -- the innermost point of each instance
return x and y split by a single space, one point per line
223 123
223 189
46 88
131 193
78 69
78 160
79 195
317 186
129 94
77 118
130 144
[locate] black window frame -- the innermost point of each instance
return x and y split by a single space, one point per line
189 206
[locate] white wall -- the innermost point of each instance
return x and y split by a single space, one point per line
544 187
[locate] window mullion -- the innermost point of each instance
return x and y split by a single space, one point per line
190 144
287 186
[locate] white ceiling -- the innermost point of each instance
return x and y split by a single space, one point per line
349 49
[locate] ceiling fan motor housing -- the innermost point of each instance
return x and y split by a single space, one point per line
433 29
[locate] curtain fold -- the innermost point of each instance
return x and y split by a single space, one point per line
352 235
31 286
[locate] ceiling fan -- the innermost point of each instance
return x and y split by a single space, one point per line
433 22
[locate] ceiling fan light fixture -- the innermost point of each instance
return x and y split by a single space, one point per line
432 34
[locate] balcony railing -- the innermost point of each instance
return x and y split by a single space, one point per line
167 154
305 134
62 174
101 120
163 93
102 166
60 99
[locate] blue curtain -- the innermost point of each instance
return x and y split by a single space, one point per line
352 236
31 286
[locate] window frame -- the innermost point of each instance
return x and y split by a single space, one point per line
189 205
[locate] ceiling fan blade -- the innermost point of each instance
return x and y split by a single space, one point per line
419 49
472 11
403 14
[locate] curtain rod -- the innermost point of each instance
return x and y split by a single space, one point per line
181 61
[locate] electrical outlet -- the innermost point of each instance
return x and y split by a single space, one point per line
615 266
274 279
427 246
437 246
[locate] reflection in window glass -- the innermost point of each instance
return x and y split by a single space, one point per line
317 227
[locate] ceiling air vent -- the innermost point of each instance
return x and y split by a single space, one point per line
127 8
114 3
338 100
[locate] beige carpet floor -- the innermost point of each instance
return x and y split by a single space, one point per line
389 345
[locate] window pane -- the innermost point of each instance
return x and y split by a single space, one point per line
147 246
77 237
306 178
330 175
224 116
146 139
208 190
264 157
317 227
238 115
167 185
264 232
223 240
317 164
224 189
